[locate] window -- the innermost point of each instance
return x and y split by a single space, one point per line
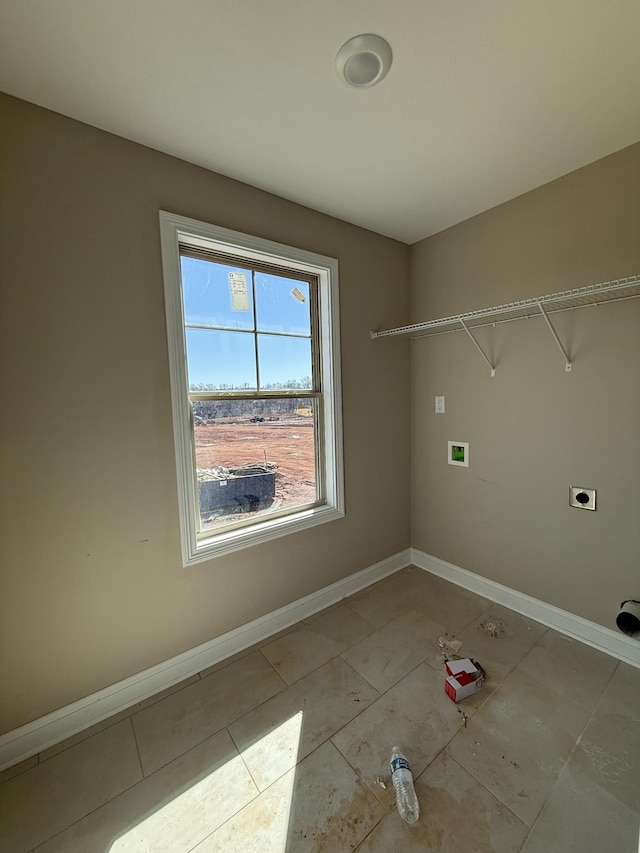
254 358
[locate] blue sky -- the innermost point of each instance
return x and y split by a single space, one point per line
219 295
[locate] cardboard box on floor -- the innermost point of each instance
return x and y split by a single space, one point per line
464 678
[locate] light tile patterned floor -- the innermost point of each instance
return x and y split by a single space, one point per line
283 748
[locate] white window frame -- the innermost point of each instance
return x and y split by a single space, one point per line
178 230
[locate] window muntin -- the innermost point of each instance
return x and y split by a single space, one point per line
253 338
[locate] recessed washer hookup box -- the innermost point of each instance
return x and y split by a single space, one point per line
464 678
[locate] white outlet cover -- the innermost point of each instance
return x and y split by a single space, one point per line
582 497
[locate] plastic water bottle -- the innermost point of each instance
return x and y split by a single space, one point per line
402 779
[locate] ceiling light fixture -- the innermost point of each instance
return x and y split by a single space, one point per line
364 60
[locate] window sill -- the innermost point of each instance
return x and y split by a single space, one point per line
233 540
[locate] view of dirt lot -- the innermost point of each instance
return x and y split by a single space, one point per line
287 443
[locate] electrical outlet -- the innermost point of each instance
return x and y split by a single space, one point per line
439 405
582 498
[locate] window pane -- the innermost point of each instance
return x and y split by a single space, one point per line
220 360
282 304
254 457
284 362
216 294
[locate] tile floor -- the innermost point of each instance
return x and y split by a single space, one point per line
283 747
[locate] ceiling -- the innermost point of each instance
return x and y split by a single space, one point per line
485 100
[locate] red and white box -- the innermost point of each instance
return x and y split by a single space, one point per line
464 678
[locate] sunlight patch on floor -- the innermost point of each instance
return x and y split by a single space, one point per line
208 812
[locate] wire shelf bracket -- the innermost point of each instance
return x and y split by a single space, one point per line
567 360
479 348
539 306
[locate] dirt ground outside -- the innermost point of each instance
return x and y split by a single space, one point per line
289 444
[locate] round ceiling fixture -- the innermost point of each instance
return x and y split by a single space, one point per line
364 60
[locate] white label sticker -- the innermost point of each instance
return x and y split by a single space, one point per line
239 291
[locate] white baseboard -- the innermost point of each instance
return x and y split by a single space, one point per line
605 640
28 740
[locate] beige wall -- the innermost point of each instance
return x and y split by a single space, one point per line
92 588
92 585
534 429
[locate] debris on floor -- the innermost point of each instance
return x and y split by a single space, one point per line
379 781
493 628
464 678
449 647
463 715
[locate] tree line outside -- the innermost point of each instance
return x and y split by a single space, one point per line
265 407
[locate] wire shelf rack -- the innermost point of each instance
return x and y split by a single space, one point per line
538 306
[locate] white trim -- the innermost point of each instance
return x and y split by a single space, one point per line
604 639
175 229
28 740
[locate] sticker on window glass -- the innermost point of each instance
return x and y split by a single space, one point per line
298 295
239 291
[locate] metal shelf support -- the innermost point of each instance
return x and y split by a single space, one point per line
478 347
567 360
